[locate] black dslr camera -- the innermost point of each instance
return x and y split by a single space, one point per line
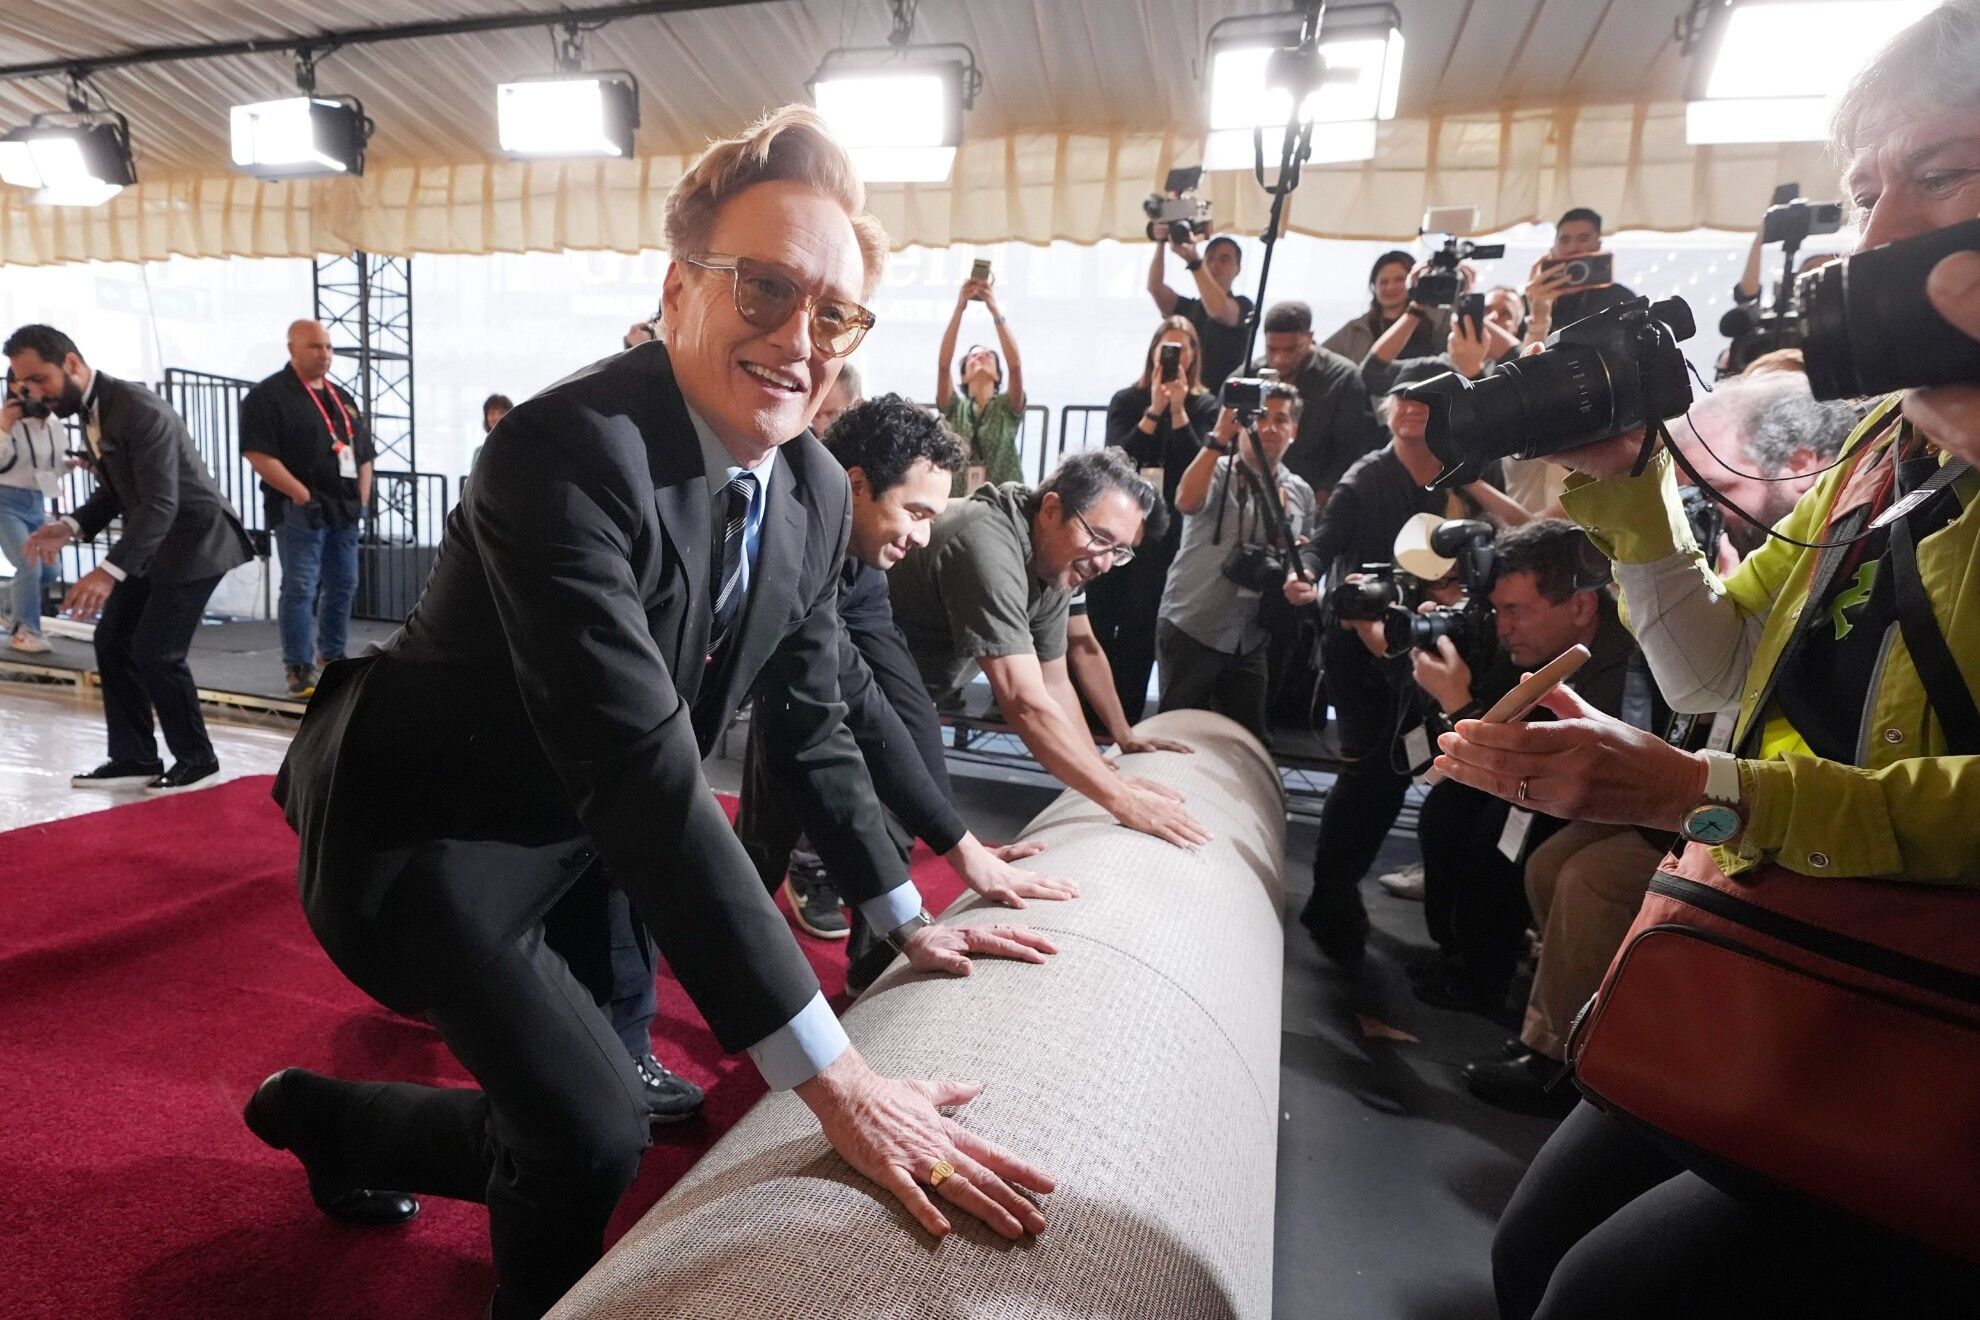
1378 589
1602 376
1245 396
1177 214
1473 626
1867 328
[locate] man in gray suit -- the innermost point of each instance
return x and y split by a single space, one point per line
180 538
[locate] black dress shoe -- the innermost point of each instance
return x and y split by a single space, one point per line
1462 995
1521 1085
670 1097
119 774
269 1114
182 776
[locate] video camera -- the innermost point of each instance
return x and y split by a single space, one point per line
1757 329
1471 626
1177 214
1595 379
1440 286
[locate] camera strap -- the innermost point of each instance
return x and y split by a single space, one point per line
1947 690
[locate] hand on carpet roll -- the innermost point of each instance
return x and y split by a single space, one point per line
1156 809
1016 852
948 949
893 1131
1155 745
988 872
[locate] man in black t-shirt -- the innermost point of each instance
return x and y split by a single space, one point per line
1551 300
1222 318
304 437
1358 524
1336 422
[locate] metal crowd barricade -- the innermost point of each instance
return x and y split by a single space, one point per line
1082 426
399 542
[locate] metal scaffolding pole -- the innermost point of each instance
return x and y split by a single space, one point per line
365 301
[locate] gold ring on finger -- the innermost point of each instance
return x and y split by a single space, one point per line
941 1173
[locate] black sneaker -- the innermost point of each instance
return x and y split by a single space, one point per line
1521 1084
302 681
670 1097
119 774
1337 921
182 776
815 900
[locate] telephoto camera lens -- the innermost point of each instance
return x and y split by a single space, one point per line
1867 327
1596 379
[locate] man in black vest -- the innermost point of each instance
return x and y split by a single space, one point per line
180 538
636 544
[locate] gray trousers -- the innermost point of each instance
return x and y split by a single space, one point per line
1198 677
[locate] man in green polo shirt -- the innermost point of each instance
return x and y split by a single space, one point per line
993 588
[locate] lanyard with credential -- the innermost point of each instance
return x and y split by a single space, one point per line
350 427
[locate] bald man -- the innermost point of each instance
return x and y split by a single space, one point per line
304 437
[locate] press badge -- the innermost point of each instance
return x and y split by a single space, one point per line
1416 746
975 475
347 462
1512 839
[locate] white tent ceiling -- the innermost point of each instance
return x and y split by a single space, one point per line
1523 106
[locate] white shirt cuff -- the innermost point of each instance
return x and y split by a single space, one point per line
71 524
803 1047
893 909
113 570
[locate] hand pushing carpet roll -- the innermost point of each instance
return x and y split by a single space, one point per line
1139 1067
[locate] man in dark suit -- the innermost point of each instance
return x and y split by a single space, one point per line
637 542
180 538
900 461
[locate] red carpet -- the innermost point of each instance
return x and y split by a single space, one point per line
154 967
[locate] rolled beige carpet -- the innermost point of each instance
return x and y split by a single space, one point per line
1139 1067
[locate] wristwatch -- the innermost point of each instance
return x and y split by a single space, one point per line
898 936
1719 816
1193 265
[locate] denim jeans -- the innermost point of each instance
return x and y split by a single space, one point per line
21 511
319 582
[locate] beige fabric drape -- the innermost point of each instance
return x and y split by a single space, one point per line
1629 162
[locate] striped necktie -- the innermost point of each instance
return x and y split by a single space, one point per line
729 568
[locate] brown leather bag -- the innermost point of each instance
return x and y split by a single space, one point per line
1823 1034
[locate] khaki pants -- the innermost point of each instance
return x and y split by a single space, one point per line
1584 884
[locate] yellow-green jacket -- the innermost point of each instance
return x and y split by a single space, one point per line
1908 810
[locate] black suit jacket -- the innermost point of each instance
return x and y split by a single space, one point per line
545 699
888 710
178 527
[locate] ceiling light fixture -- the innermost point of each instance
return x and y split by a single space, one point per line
568 113
898 109
1258 70
1770 70
77 157
299 137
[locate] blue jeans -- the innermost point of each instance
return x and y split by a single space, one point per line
21 511
319 581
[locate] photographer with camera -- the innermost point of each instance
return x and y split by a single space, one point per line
1370 693
31 468
1232 562
1576 279
1222 318
1843 805
1336 422
1160 423
1546 594
983 412
1389 281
